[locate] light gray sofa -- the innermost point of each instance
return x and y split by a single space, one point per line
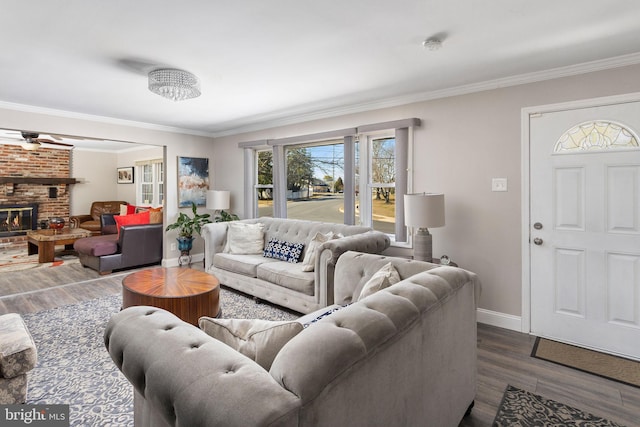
404 356
281 282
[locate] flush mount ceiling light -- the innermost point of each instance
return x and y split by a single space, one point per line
432 43
177 85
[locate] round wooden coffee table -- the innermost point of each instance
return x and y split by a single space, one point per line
187 293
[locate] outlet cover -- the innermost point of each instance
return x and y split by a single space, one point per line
499 184
173 247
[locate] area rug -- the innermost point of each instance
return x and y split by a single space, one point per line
520 408
615 368
18 260
75 368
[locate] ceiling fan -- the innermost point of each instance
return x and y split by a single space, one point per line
32 141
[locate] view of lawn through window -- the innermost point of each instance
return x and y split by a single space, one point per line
315 183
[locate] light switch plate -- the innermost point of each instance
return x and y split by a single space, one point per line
499 184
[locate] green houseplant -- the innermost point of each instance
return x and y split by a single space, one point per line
187 226
225 217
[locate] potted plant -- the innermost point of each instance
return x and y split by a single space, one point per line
187 226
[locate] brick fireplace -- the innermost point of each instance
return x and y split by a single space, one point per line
32 178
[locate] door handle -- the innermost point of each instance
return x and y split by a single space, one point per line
537 241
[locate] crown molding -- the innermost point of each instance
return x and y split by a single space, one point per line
100 119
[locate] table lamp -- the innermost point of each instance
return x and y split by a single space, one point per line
218 200
421 211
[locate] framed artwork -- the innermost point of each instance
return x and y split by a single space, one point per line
193 181
125 175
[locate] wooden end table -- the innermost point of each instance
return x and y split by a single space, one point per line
185 292
44 242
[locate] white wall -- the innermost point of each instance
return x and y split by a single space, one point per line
129 158
463 142
96 172
93 170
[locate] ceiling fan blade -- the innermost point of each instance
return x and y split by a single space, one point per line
50 142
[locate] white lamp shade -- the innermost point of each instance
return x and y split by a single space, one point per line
218 200
424 210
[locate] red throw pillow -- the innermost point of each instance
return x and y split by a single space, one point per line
131 209
140 218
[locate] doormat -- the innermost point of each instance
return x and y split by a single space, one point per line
615 368
520 408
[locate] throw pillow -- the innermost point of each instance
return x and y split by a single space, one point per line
259 340
285 251
244 239
383 278
127 210
155 215
133 219
309 260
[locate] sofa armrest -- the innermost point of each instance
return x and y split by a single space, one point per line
190 378
108 224
328 253
215 236
76 220
140 244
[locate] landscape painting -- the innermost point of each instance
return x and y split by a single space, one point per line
193 181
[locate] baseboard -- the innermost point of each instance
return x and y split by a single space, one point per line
173 262
501 320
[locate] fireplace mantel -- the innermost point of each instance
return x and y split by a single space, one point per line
34 180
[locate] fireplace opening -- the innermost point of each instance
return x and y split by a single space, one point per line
16 220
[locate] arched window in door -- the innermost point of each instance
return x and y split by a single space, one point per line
596 135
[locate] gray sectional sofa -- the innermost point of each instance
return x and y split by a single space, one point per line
286 283
402 356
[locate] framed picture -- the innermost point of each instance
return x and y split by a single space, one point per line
193 181
125 175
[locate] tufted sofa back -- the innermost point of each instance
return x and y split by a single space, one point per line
302 231
354 269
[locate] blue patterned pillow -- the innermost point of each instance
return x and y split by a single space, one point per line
285 251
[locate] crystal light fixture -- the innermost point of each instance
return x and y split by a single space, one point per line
177 85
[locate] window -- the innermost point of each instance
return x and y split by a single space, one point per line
596 135
264 187
348 176
150 183
315 183
379 201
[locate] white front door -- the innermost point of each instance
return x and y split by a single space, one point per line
585 227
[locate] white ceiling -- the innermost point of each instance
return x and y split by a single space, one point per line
266 62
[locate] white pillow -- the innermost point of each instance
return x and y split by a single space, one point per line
309 261
245 238
259 340
383 278
123 210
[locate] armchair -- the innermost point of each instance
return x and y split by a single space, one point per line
91 221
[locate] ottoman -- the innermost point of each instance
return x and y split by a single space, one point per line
18 356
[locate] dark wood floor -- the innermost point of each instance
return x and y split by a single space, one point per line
503 358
